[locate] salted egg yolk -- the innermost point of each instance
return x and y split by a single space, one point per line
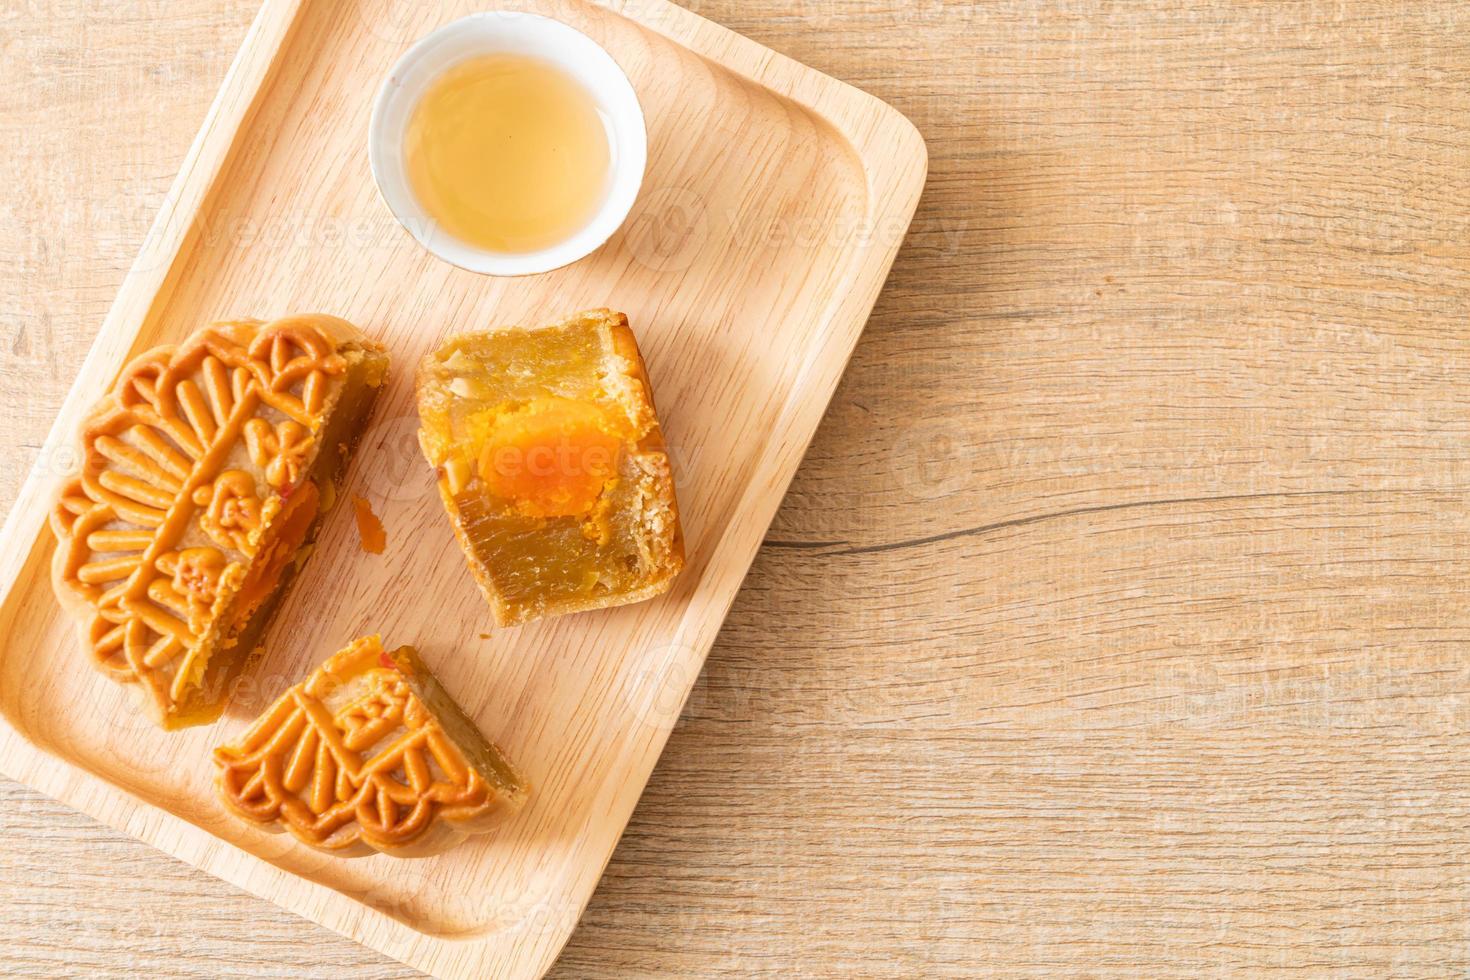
552 456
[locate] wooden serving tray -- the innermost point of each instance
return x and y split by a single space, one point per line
774 203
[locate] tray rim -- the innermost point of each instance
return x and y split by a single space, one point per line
895 169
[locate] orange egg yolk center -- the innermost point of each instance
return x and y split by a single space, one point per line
290 526
553 456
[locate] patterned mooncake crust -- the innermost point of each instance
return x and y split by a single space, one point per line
203 472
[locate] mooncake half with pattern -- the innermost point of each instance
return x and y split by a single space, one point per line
551 463
205 473
368 754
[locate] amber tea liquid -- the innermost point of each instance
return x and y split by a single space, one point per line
508 153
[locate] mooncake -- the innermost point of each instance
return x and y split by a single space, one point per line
204 474
368 754
552 466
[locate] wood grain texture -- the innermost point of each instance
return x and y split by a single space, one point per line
1116 621
275 210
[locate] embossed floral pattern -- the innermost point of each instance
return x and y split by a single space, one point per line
280 451
232 510
152 537
194 576
392 771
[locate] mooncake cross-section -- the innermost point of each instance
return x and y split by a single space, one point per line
552 465
368 754
204 474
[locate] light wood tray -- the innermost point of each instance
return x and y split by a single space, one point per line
775 201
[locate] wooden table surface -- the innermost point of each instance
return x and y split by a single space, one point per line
1116 623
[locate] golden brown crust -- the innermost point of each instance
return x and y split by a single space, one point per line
353 760
186 466
652 448
632 391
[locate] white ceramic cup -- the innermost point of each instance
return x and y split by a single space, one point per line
509 32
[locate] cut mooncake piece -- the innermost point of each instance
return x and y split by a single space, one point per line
368 754
552 466
204 474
